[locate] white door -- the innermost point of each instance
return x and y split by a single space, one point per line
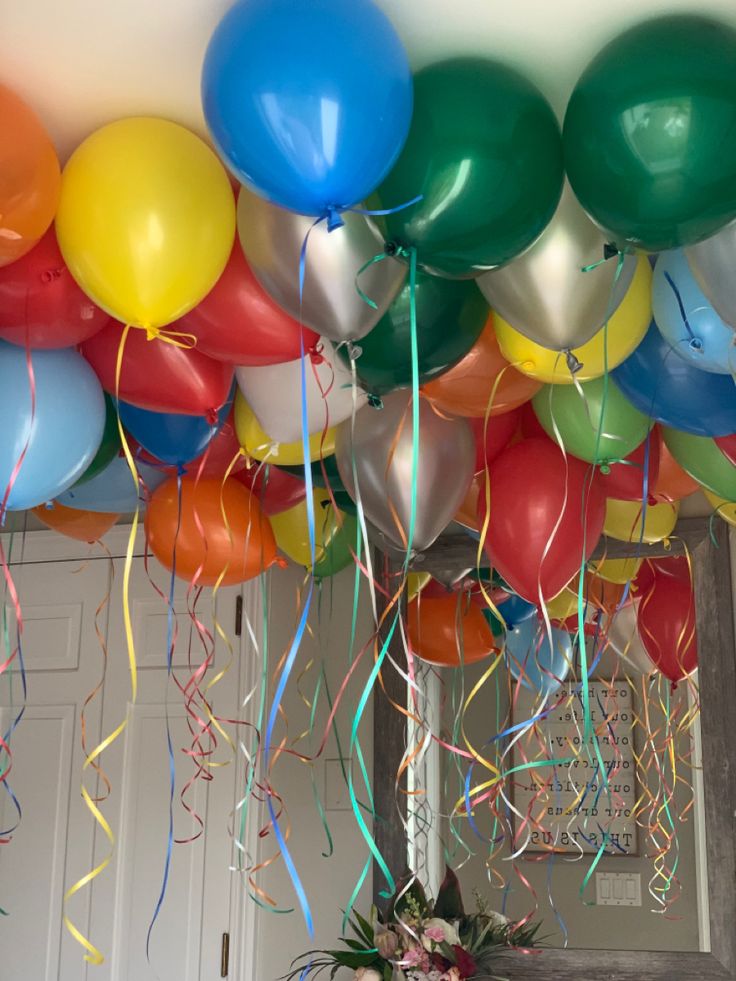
58 840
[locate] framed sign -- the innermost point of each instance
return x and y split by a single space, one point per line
589 801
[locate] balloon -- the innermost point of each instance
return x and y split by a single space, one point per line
238 322
338 553
274 393
272 240
325 474
626 328
450 318
616 570
169 437
258 444
113 489
381 448
701 458
59 437
516 610
467 514
668 389
291 529
666 624
276 489
602 594
711 262
727 446
558 293
30 179
546 516
672 483
563 605
482 376
415 583
84 526
146 219
686 319
449 631
223 453
498 434
599 426
157 375
484 151
650 133
623 637
538 664
723 508
109 445
196 539
624 520
626 480
311 133
41 305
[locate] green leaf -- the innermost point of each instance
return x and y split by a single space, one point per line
449 903
368 931
353 959
398 903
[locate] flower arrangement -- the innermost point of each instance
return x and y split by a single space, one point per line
422 941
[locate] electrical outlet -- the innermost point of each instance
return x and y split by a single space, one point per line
617 889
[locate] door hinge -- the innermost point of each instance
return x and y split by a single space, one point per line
225 956
238 621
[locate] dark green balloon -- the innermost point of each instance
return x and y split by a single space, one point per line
484 150
650 133
109 447
700 457
343 500
451 315
337 556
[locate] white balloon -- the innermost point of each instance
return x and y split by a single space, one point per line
274 393
624 639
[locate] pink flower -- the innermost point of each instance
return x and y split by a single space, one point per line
416 957
435 933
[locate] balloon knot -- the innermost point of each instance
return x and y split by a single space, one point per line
574 364
696 344
391 248
180 470
354 351
211 415
666 544
151 333
281 562
334 218
375 401
605 469
610 250
315 354
49 275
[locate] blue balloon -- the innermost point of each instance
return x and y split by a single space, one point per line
113 489
170 437
537 664
686 319
672 391
308 101
65 429
516 610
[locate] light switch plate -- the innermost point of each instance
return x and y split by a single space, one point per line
617 889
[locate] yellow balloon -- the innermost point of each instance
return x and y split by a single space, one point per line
626 328
623 520
146 220
291 529
563 605
260 446
416 581
616 570
723 508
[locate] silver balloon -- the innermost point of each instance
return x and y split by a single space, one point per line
382 447
272 240
713 263
544 293
624 639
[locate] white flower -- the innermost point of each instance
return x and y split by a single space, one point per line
437 926
367 974
498 920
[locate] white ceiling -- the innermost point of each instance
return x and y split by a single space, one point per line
84 62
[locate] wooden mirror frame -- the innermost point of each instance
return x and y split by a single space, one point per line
709 551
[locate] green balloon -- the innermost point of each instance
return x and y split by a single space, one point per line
337 556
109 447
485 153
342 499
579 419
451 315
650 133
700 457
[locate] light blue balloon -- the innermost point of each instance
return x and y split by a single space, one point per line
113 489
537 664
686 319
308 101
65 429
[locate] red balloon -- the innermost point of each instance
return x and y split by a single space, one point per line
448 631
499 432
524 544
275 490
666 624
41 304
158 375
239 323
727 446
625 481
530 426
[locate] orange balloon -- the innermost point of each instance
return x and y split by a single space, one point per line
672 483
466 389
30 178
602 594
445 635
467 513
241 552
84 526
